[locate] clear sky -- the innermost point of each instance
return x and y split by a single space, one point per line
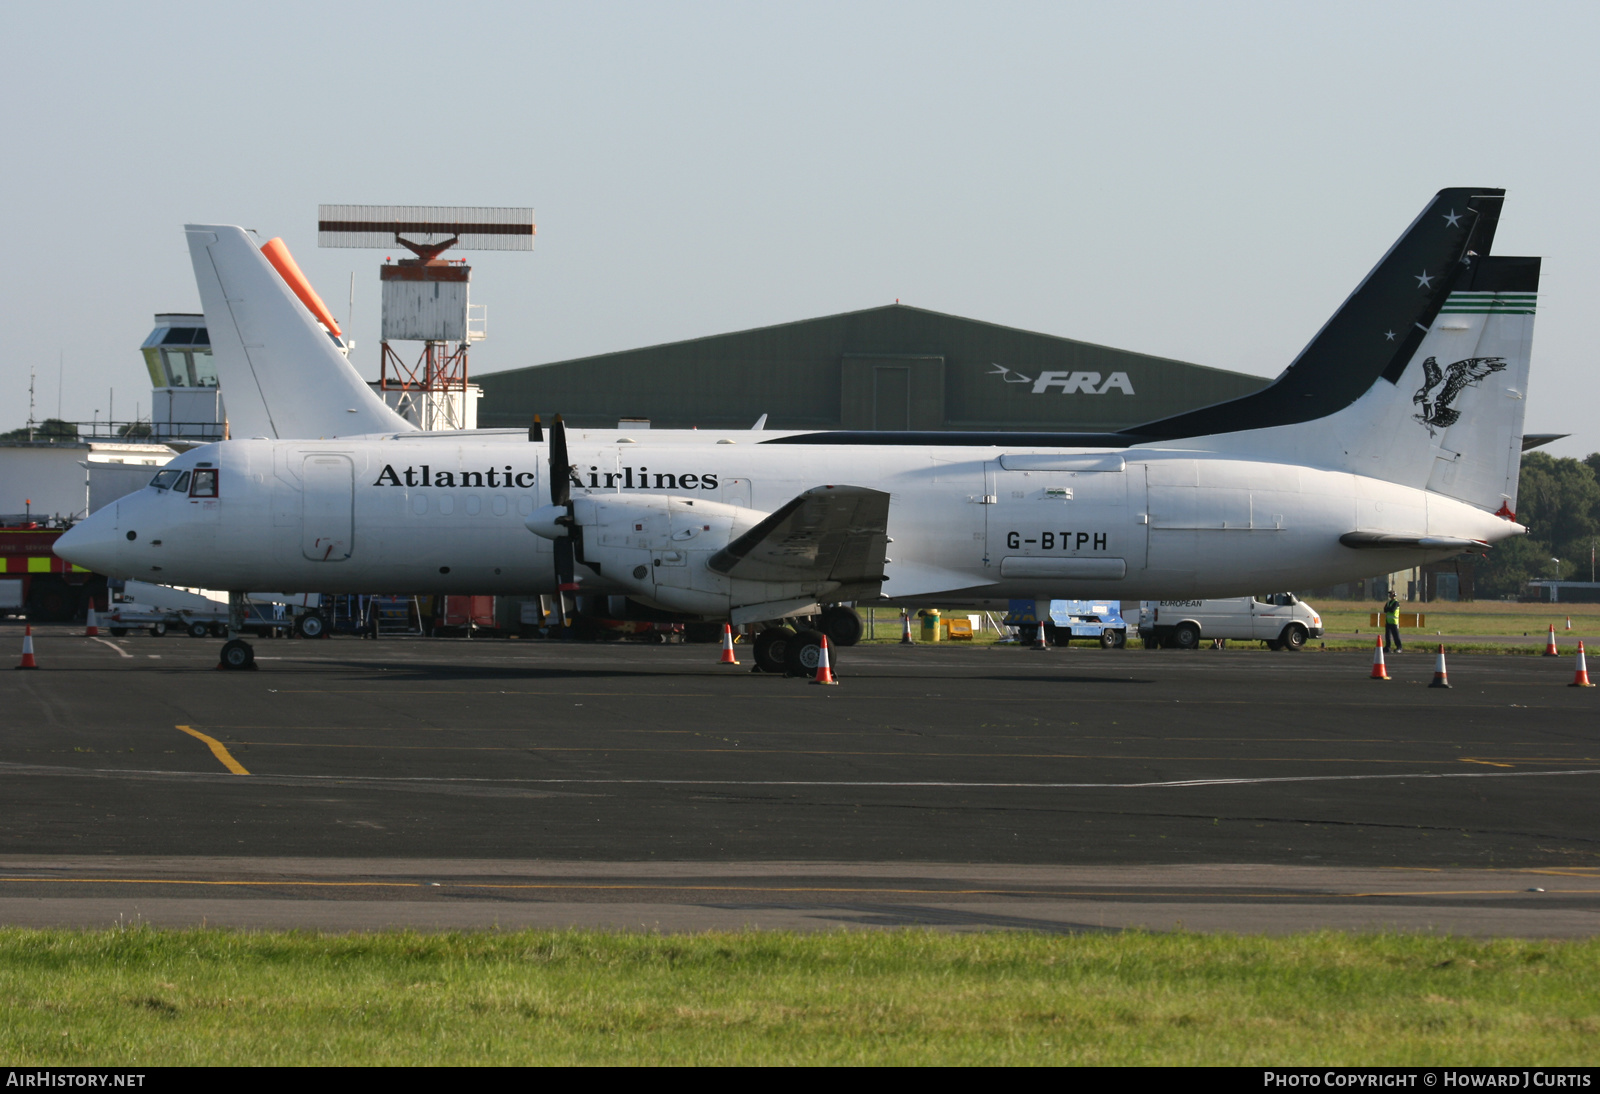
1203 181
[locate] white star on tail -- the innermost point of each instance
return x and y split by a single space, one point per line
1424 279
1388 336
1451 219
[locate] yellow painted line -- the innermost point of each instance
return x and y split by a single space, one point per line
218 750
1485 763
1586 872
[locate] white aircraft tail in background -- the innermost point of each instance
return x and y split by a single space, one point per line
280 372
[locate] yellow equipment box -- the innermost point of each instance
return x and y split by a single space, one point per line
958 630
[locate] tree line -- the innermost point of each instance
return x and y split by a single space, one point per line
1559 502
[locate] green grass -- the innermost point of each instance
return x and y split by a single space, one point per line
144 997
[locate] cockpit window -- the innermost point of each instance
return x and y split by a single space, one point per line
205 483
165 479
182 485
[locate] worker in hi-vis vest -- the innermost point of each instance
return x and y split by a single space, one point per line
1391 624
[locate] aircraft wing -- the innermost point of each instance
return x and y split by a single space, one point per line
829 533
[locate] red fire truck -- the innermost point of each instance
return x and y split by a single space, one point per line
39 585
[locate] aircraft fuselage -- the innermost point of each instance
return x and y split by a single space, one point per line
432 516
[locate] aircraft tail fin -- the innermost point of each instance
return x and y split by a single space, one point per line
280 373
1376 330
1421 376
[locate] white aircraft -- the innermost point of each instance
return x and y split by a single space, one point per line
1393 439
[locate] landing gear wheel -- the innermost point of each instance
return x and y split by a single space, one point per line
198 630
1186 636
804 654
158 630
842 625
772 649
1294 638
237 655
310 625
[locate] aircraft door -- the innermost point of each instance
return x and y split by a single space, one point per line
1054 518
327 521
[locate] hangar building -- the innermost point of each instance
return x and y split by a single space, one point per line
894 367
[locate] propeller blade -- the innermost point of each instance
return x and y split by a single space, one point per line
560 466
536 430
566 583
561 494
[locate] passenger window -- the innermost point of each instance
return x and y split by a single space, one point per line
205 483
182 485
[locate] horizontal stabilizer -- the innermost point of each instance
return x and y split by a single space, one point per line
829 533
1378 541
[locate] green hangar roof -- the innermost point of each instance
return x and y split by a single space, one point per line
894 367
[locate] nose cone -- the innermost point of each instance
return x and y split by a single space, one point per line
97 543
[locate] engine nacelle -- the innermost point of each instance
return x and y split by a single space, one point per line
656 547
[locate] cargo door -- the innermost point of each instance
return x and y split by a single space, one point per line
327 514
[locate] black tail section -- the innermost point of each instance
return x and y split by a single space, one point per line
1374 334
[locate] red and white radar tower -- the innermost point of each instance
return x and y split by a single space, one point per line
425 298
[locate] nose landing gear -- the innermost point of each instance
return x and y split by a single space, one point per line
237 654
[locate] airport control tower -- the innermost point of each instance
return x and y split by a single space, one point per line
426 298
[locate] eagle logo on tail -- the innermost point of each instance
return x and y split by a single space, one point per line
1437 413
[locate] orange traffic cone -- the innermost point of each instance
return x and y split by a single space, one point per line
1581 678
27 650
92 629
1550 646
1379 670
1440 680
1038 639
1569 622
824 672
727 647
905 627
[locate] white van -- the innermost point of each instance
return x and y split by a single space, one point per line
1280 620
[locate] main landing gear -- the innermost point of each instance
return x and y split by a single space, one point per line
237 654
783 651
